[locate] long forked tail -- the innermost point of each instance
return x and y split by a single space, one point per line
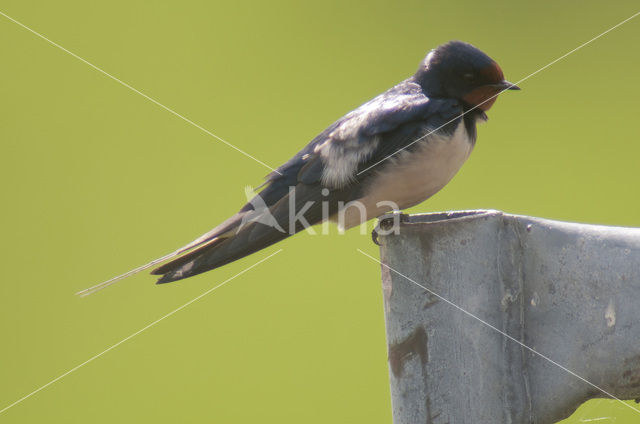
104 284
226 243
93 289
203 240
204 254
246 232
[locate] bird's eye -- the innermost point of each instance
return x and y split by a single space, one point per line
469 77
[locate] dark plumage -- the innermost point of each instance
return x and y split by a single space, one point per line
337 165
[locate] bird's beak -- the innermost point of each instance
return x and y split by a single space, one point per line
506 85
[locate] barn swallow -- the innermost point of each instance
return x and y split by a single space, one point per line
392 152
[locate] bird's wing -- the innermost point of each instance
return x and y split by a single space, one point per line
379 127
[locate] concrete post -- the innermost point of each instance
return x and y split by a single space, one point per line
571 292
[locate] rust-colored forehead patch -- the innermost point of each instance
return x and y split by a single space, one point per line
492 73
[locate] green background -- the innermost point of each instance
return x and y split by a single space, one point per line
96 180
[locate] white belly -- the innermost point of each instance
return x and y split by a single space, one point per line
409 178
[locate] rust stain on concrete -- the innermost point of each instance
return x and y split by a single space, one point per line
401 352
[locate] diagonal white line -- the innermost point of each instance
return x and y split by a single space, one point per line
496 95
461 309
136 333
154 101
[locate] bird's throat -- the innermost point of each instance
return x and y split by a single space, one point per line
482 97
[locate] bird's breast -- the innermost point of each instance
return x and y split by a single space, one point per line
410 177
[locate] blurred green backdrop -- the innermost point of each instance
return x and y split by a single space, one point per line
96 180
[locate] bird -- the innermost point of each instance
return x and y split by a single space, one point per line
391 153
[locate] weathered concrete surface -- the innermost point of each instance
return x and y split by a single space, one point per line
569 291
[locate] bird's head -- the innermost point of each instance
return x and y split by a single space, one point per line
459 70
